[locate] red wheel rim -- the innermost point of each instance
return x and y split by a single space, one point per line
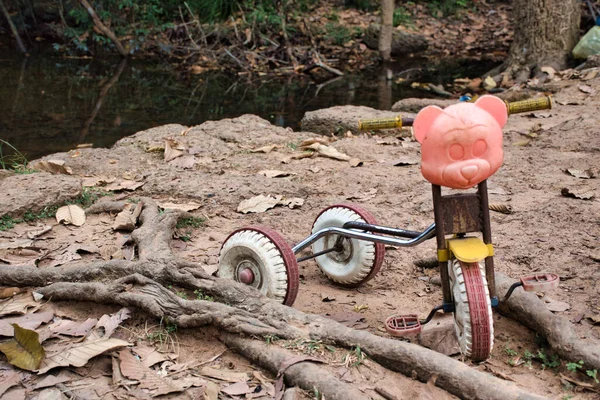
478 311
288 256
379 247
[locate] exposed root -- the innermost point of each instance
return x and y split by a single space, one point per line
306 375
528 309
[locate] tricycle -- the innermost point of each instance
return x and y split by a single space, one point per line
461 147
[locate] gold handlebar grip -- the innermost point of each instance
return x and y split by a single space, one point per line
543 103
384 123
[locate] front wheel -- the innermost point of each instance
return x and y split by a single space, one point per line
472 309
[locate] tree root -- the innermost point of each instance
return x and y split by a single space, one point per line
305 375
240 308
528 309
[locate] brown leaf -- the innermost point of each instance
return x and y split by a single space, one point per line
349 319
124 185
404 161
15 244
9 292
583 193
258 204
237 389
439 335
292 203
132 368
8 379
182 207
586 89
126 220
549 70
271 173
71 214
149 355
308 142
172 150
581 173
557 306
363 196
51 380
223 375
27 321
77 353
184 162
53 166
21 256
74 328
327 151
266 149
108 323
18 304
39 231
355 162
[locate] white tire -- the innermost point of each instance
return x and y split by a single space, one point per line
359 260
251 250
472 319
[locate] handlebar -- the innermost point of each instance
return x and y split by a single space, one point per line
543 103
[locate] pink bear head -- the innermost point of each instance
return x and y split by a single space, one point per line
461 145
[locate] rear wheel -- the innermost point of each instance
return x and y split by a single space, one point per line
260 257
472 309
357 261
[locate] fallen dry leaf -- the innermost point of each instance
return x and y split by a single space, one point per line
557 306
292 203
271 173
53 166
327 151
126 220
21 256
237 389
489 83
440 335
172 150
9 292
258 204
74 328
109 323
581 173
184 162
27 321
223 375
355 162
8 379
308 142
149 355
404 161
15 244
71 253
583 193
586 89
51 380
182 207
133 368
549 70
363 196
39 231
71 214
124 185
18 304
349 318
266 149
77 354
24 350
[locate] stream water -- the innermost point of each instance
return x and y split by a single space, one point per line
50 103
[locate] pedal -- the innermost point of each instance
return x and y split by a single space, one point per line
403 325
540 282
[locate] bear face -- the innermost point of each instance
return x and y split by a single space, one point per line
461 145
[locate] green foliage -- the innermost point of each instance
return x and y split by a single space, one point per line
510 352
593 373
447 7
191 222
201 296
364 5
340 34
11 158
548 362
572 366
7 222
402 17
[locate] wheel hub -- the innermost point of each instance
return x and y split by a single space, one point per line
248 273
346 251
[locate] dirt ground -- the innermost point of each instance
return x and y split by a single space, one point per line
546 231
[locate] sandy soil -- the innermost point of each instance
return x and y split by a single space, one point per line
546 230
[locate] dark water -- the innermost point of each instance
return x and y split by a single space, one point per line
49 103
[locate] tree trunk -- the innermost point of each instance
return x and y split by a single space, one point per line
545 33
13 28
387 29
103 28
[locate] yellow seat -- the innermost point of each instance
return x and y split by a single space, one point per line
470 249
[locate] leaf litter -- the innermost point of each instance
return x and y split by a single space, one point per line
262 203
